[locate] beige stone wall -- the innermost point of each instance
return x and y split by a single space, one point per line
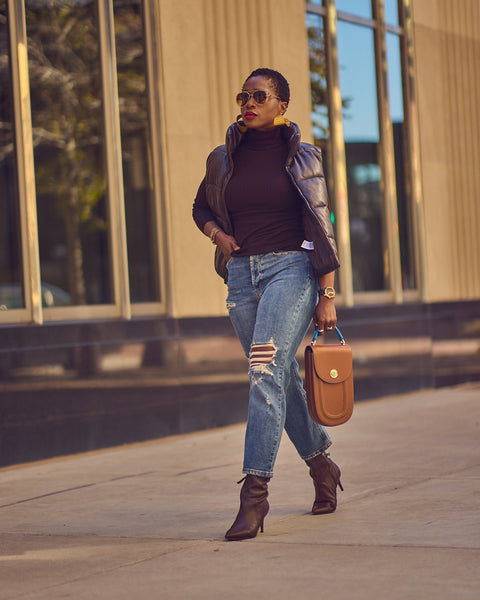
208 47
447 58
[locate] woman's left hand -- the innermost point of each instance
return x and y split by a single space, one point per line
325 315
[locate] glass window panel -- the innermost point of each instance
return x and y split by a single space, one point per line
317 2
319 95
11 284
318 79
400 141
136 152
361 8
391 12
361 133
65 83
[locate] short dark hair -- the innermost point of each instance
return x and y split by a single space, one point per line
278 80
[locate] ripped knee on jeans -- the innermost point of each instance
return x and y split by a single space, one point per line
261 356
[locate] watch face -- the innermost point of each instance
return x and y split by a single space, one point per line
329 292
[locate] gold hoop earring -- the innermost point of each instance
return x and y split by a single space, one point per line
281 120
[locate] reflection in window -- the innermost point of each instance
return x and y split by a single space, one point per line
391 12
318 79
65 83
11 287
136 151
319 95
361 8
399 141
361 133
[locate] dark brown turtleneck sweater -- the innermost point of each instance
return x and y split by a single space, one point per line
264 206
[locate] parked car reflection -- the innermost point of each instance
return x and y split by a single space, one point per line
11 296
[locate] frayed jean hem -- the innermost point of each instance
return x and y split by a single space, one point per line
318 452
267 475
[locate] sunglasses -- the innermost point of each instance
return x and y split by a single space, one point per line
260 97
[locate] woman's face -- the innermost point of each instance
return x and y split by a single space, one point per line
261 116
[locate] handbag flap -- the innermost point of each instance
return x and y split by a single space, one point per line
333 363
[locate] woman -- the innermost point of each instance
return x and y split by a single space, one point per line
263 203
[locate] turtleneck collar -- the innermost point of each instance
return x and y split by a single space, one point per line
263 140
291 135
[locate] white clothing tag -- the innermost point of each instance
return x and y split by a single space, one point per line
307 245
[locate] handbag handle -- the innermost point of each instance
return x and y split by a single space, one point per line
337 331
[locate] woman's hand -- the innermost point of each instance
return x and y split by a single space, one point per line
226 243
325 315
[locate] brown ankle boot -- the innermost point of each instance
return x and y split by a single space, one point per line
326 476
253 508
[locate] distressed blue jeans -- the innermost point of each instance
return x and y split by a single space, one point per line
271 300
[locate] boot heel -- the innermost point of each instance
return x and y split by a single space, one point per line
340 485
261 527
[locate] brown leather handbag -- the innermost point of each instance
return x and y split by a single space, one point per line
329 381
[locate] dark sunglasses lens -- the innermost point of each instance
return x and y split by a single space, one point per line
242 98
260 96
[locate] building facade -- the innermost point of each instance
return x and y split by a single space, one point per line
113 325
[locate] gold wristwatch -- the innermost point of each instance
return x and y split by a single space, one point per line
328 292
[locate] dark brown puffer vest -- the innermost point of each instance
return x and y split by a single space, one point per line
305 168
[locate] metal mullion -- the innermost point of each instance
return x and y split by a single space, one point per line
356 20
317 10
394 29
339 166
412 158
387 155
25 161
114 165
153 62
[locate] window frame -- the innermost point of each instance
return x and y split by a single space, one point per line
394 292
121 307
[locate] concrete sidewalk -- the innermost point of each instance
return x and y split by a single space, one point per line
147 521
